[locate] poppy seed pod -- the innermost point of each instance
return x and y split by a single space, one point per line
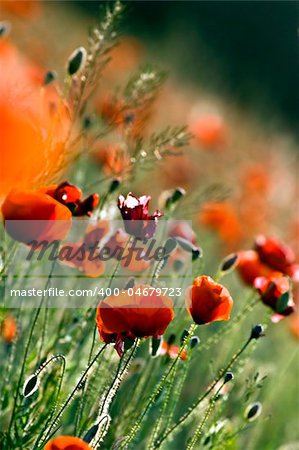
76 61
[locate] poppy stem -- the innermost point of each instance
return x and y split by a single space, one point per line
190 410
156 391
70 397
198 431
34 322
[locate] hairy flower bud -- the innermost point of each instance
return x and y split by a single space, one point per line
76 61
257 331
253 411
49 77
30 386
228 377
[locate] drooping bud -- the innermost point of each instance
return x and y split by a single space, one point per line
257 331
90 434
76 61
253 411
30 386
49 77
228 377
189 247
170 246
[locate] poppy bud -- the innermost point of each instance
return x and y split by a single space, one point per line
30 386
90 434
171 339
228 377
76 61
196 253
176 195
155 345
113 185
49 77
189 247
5 28
170 246
257 332
177 265
229 263
253 411
87 122
184 335
130 284
194 341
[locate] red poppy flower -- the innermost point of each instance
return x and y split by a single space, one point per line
133 316
134 211
249 267
208 301
275 292
67 443
43 217
275 254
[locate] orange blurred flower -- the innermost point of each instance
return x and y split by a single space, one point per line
133 315
222 217
172 351
209 131
114 159
9 328
67 443
24 8
34 124
84 255
208 301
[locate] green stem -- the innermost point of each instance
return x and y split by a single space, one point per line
198 432
70 397
190 410
156 391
